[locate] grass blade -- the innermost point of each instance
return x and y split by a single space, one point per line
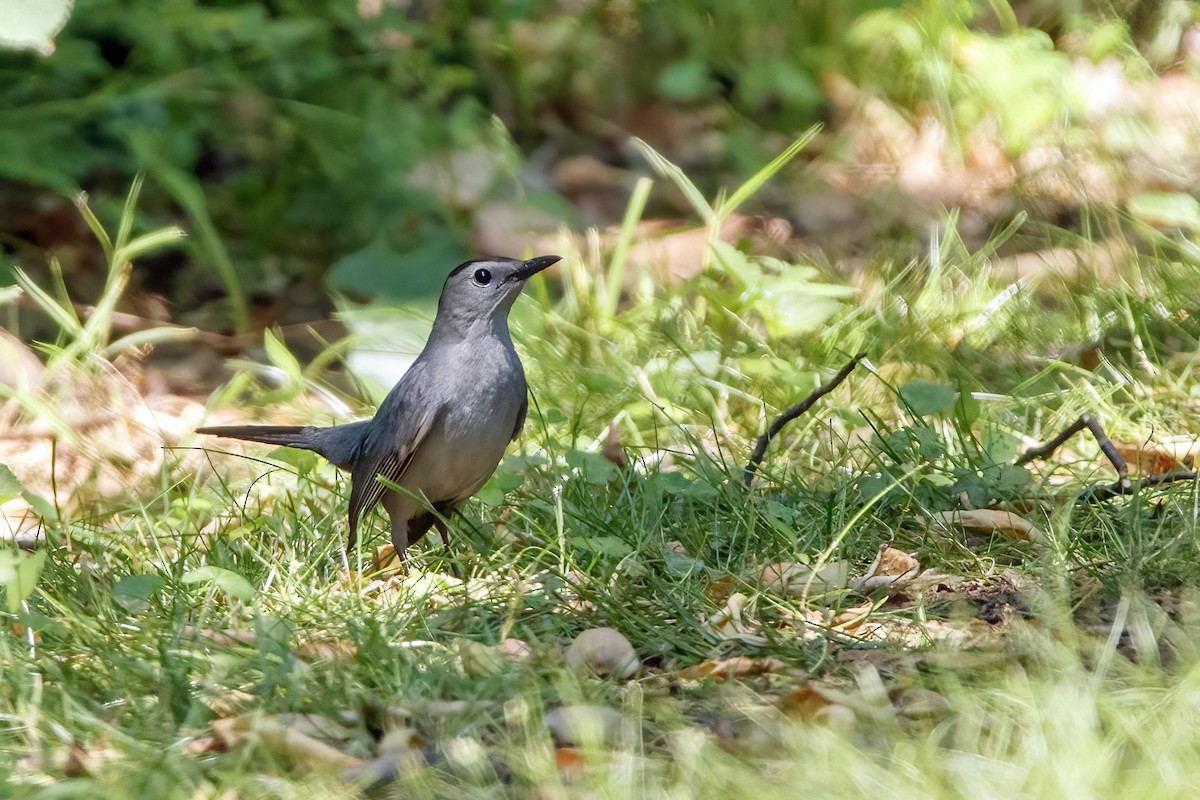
62 317
759 179
147 242
125 226
81 203
668 170
616 263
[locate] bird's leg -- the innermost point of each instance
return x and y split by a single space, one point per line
400 542
455 570
399 516
443 531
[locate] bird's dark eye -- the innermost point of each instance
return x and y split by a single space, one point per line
483 277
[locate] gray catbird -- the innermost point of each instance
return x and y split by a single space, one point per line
441 431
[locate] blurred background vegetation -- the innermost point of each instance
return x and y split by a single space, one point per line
363 148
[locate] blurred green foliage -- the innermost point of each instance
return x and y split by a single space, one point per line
284 135
285 132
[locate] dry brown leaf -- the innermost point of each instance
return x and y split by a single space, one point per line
986 520
578 724
820 705
1158 456
340 650
794 580
730 668
516 649
892 569
401 751
302 751
804 703
611 447
917 703
731 622
570 762
603 651
719 590
480 660
120 433
851 619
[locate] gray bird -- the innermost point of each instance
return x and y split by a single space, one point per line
441 431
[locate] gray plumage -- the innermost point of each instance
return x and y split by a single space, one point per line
441 431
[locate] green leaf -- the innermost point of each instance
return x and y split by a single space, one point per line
378 269
736 264
677 176
1011 479
684 80
19 572
226 580
669 482
1167 210
605 545
679 564
759 179
966 408
41 506
507 477
924 398
303 461
133 592
10 487
592 467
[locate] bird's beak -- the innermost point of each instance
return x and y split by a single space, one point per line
533 266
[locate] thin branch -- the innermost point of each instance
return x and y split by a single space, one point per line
1098 494
1093 425
1123 486
760 449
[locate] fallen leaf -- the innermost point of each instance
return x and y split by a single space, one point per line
916 703
1158 456
302 751
580 724
603 651
720 590
401 751
731 668
731 622
570 762
326 651
892 569
516 649
480 660
795 580
852 618
611 447
986 520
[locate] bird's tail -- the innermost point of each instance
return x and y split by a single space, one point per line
340 444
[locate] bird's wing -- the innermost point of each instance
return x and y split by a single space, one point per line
401 424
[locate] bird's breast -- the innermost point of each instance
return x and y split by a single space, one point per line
484 393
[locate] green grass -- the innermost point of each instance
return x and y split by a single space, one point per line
222 588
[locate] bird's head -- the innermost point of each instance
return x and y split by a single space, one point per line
479 293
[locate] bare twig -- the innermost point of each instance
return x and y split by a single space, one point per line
1099 494
760 448
1093 425
1123 486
